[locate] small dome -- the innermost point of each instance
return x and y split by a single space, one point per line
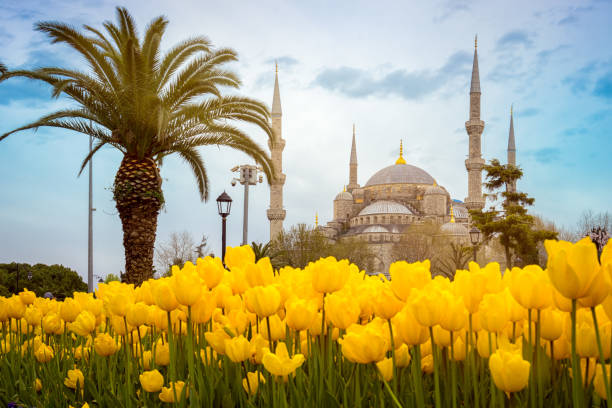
344 195
435 189
452 228
385 207
400 174
375 228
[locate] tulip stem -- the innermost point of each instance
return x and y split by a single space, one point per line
472 360
453 370
576 381
532 386
434 351
493 390
393 397
601 355
393 355
418 377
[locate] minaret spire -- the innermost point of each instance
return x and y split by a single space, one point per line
276 213
474 127
511 149
353 165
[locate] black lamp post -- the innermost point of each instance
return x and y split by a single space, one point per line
224 205
475 238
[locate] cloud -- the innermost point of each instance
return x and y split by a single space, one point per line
413 85
545 155
580 80
284 61
603 86
574 131
528 112
450 8
573 15
514 38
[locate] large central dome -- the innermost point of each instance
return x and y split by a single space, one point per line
400 174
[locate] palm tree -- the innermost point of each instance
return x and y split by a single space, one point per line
2 68
148 106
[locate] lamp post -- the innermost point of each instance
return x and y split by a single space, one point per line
248 177
475 238
224 205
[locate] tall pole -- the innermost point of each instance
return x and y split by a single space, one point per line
90 278
474 246
245 223
223 240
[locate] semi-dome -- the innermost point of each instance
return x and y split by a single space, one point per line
385 207
435 189
400 174
375 228
452 228
344 195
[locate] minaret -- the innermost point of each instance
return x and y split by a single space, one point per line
474 127
276 213
353 166
511 150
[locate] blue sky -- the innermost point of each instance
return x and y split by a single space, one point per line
398 71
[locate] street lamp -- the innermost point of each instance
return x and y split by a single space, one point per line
224 205
475 238
248 177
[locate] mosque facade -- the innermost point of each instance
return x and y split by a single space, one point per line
400 196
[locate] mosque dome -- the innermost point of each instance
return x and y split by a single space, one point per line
435 189
385 207
400 174
452 228
344 195
375 228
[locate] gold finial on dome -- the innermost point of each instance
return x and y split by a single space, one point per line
401 158
316 219
435 183
476 41
344 189
276 66
452 214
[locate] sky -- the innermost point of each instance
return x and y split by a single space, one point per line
397 70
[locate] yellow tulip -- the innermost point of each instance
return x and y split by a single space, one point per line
405 277
15 307
164 296
167 393
408 328
598 382
151 381
386 305
211 270
105 345
342 310
251 382
277 328
27 297
37 385
364 344
385 368
52 324
458 349
455 314
279 363
33 316
509 371
441 336
216 339
186 285
84 324
561 302
530 287
265 300
471 286
162 353
600 289
493 312
238 349
74 378
137 314
482 344
427 364
329 275
260 273
239 256
301 313
44 353
402 356
572 267
551 324
426 307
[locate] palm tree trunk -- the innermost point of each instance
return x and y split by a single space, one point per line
138 196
